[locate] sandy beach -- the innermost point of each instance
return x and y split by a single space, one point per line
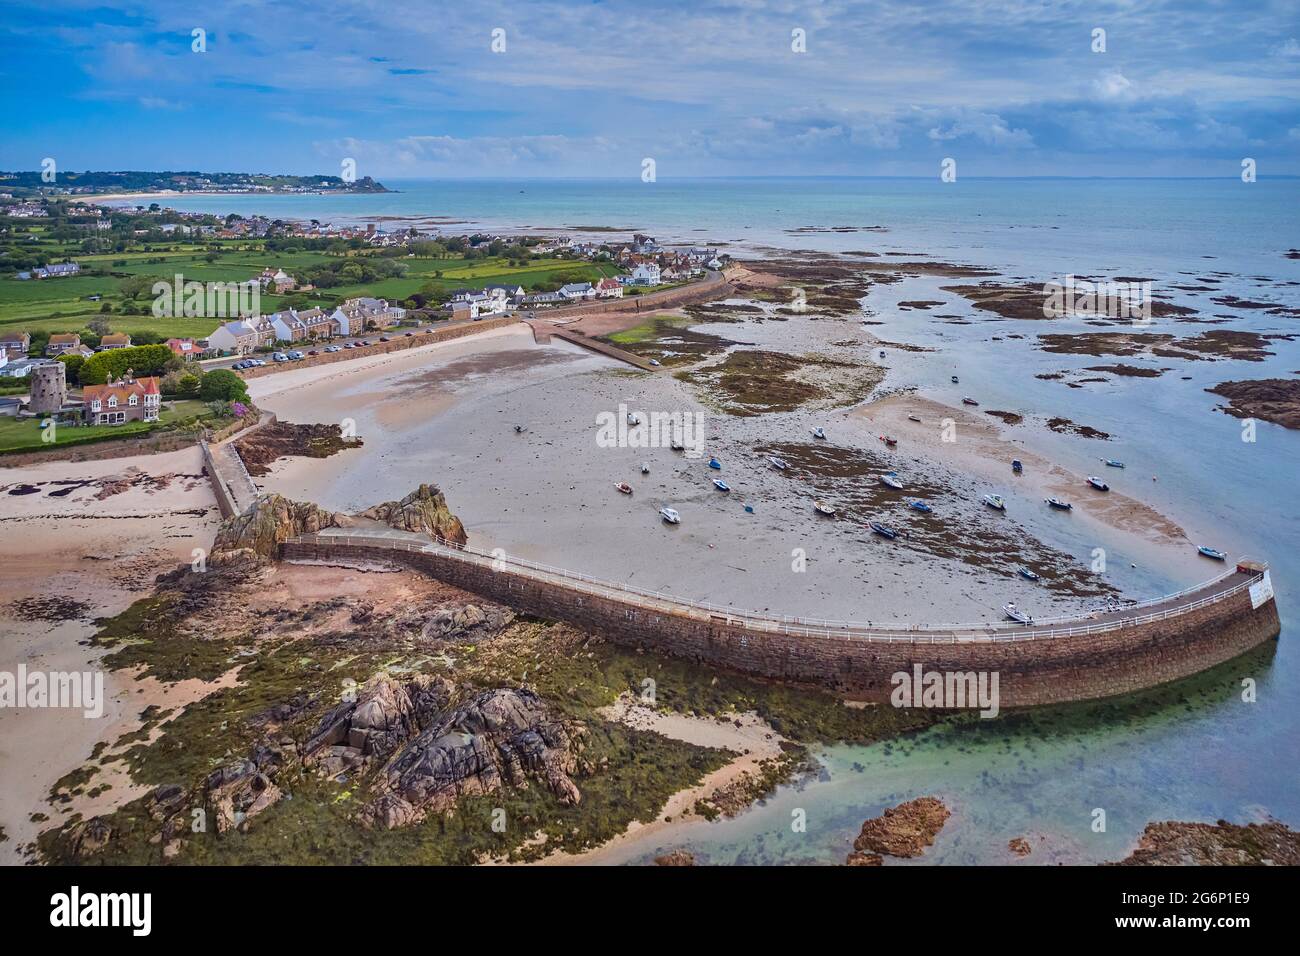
86 543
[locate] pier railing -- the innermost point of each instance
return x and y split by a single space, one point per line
1065 626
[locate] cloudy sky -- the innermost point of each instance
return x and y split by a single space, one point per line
414 88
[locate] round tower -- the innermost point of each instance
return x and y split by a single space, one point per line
49 389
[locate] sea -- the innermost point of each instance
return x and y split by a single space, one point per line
1078 783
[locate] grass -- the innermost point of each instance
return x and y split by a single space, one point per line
25 435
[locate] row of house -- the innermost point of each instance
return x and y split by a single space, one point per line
353 317
52 271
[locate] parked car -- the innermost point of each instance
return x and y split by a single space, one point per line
409 334
296 356
384 338
333 348
279 356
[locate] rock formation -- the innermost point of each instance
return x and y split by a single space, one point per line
268 523
1173 843
902 831
423 511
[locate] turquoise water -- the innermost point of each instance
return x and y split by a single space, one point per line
1193 751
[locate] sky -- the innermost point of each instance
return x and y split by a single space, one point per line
595 87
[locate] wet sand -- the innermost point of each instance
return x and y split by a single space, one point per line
102 547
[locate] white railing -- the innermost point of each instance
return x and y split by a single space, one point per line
808 627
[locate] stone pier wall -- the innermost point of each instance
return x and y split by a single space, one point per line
1031 672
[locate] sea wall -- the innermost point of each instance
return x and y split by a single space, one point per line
1030 672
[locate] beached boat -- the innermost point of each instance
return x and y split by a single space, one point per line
883 530
624 487
669 515
822 508
1098 483
676 445
889 440
645 468
1214 553
969 401
995 501
1013 612
633 418
913 418
715 464
1112 463
917 504
1058 503
721 485
1027 574
1017 465
891 479
882 353
520 429
954 379
818 432
779 464
749 509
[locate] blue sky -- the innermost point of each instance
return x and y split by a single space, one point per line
705 88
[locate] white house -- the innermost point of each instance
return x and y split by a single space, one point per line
647 273
578 290
609 289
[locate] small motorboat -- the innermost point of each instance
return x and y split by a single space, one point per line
676 445
883 530
1017 465
1027 574
822 508
520 429
913 418
715 464
669 515
889 440
995 501
721 485
1112 463
969 401
749 509
916 504
882 353
779 464
818 432
1214 553
954 379
1058 503
891 479
624 487
1017 615
633 418
1098 483
645 468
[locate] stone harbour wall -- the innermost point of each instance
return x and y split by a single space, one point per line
1030 672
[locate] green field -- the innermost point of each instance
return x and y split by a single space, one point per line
16 436
61 305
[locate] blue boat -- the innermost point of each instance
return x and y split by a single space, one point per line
1214 553
1016 466
721 485
1113 463
883 530
714 463
749 509
919 505
1027 574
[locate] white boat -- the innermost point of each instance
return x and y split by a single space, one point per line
822 508
891 479
995 501
645 469
913 418
633 418
818 432
779 464
669 515
676 445
624 487
1013 612
1098 483
721 485
1214 553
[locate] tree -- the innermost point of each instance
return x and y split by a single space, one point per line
222 385
113 363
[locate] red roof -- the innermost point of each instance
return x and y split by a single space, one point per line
122 389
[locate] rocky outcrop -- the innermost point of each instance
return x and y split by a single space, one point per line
1220 844
237 792
903 831
1275 400
423 511
676 858
90 837
275 440
1019 846
498 738
466 622
384 715
268 523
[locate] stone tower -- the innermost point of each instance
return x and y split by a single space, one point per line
49 387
